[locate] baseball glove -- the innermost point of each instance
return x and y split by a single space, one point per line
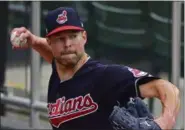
135 116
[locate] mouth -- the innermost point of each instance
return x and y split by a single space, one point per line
67 53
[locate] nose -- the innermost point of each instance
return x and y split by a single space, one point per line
67 43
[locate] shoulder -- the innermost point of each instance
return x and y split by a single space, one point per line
115 73
125 73
108 70
122 71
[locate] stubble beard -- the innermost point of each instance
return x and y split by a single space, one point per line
71 64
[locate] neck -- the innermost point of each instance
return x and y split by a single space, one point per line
66 73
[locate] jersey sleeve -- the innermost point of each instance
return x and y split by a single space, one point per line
124 81
138 77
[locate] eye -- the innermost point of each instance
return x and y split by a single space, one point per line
59 39
72 36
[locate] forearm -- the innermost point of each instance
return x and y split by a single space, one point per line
42 47
169 96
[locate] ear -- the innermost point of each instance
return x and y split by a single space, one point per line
48 41
84 36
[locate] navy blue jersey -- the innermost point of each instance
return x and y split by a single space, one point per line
85 101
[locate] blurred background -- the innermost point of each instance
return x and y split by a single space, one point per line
148 35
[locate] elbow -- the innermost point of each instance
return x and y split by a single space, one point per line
177 92
166 86
169 94
178 102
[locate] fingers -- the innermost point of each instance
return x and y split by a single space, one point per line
23 35
19 30
18 47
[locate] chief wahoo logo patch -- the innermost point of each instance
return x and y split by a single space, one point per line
62 18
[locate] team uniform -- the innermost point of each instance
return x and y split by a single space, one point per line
86 101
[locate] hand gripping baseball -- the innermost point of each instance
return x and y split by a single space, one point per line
18 40
21 38
135 116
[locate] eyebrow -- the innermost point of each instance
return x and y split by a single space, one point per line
70 32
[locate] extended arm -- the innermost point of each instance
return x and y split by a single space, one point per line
37 43
42 47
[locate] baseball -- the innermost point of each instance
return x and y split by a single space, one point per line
18 41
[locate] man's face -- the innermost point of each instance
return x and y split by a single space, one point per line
68 46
